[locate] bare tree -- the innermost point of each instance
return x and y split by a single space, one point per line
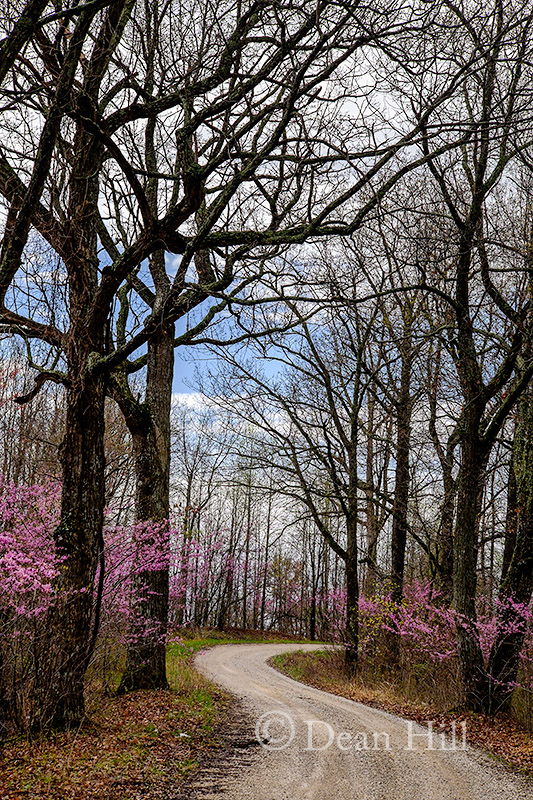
255 126
489 390
309 412
516 586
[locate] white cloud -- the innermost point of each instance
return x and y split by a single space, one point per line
191 400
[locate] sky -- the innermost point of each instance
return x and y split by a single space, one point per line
186 361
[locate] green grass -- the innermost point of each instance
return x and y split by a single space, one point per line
200 639
180 671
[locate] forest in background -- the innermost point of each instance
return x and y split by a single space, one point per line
328 206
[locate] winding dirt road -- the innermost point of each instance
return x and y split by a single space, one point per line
300 743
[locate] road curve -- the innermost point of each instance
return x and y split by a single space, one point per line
318 746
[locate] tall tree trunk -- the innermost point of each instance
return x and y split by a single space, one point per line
229 579
445 549
401 489
352 580
78 535
469 489
60 682
315 575
517 580
352 597
444 545
150 428
145 663
511 518
247 552
267 555
404 411
312 616
469 485
61 672
372 527
188 522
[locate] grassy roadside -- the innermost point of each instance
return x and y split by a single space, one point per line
500 736
139 746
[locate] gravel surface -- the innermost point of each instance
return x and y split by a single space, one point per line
298 743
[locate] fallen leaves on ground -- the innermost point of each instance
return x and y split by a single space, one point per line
136 747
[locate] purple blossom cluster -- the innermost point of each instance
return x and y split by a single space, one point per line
199 570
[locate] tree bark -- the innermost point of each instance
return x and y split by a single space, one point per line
60 680
150 429
511 518
404 408
517 580
445 550
372 526
352 598
267 555
351 564
401 490
469 487
80 528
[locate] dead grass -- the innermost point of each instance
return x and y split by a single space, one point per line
501 736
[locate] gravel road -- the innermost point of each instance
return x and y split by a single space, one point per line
317 746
